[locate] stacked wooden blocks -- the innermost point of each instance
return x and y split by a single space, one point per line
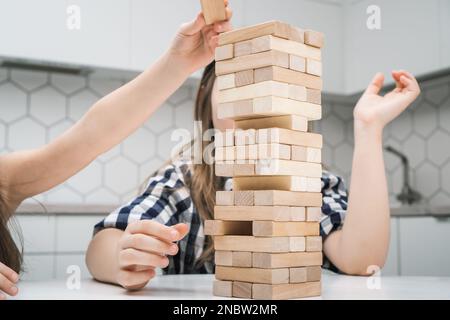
266 231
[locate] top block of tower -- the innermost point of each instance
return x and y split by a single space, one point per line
273 28
213 10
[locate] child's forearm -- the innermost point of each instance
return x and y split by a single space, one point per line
364 238
106 124
101 256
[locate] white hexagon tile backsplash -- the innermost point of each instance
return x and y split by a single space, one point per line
36 107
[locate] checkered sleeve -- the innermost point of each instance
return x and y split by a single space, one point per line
164 200
334 204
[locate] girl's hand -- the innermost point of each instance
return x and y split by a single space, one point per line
377 111
143 247
195 42
8 281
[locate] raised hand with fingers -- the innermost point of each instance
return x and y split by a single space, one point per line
195 42
144 246
8 282
376 110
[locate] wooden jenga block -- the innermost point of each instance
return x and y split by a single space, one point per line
313 213
288 76
223 258
259 244
225 153
286 291
314 96
275 28
284 229
244 78
291 122
229 138
297 63
224 198
227 81
297 275
307 154
268 106
223 169
286 260
298 213
287 183
241 259
297 93
242 48
273 151
285 136
314 67
314 243
243 198
223 288
258 60
235 109
242 289
267 43
219 139
220 228
297 34
278 167
313 273
245 137
213 11
250 213
271 167
287 198
224 52
219 153
314 38
269 276
262 89
297 244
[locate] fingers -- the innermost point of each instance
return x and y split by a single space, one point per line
9 273
147 243
182 228
193 27
406 80
376 84
132 257
7 286
153 228
133 280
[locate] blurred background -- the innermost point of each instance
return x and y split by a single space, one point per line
58 57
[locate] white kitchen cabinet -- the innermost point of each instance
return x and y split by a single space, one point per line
391 268
444 9
424 246
408 39
38 30
321 16
155 23
73 233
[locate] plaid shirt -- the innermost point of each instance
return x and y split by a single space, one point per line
167 200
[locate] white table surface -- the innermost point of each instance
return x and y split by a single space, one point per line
200 287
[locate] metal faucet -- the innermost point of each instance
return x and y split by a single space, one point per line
407 195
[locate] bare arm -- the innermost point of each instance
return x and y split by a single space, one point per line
364 239
111 119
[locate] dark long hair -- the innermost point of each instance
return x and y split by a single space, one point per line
10 254
204 183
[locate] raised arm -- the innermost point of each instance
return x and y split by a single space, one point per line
113 118
364 239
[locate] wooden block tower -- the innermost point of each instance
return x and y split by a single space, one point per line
266 231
